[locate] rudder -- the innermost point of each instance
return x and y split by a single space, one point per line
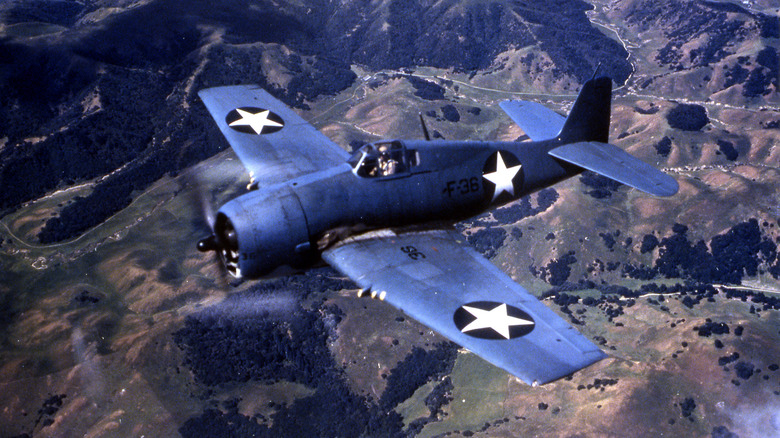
589 117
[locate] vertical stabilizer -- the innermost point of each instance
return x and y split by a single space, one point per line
589 117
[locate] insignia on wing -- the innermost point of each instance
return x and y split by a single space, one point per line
492 320
250 120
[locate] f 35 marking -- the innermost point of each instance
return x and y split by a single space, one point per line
462 186
412 252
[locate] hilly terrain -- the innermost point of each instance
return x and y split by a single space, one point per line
79 117
112 324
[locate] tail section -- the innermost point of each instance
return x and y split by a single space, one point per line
584 142
589 117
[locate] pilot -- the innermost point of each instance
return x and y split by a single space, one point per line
373 169
389 166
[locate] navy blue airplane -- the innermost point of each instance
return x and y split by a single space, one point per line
383 216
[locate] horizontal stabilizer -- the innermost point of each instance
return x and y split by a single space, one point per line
536 120
614 163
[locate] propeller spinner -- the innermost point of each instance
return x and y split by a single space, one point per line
208 244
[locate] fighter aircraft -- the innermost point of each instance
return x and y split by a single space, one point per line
383 216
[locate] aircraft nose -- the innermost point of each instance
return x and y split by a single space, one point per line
227 238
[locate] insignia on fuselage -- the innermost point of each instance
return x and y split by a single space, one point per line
502 177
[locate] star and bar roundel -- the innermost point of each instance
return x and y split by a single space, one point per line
251 120
502 177
492 320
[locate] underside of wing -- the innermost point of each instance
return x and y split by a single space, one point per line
436 278
535 119
615 163
272 141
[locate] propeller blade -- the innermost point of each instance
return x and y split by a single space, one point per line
204 199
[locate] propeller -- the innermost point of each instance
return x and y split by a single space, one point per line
212 243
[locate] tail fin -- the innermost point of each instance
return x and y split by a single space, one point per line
589 117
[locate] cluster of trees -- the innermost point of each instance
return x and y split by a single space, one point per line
602 186
737 74
522 208
759 78
687 117
598 384
440 396
333 410
725 360
450 113
722 432
687 407
266 348
488 240
640 272
766 302
425 89
744 370
664 147
610 240
614 299
712 328
564 300
314 282
649 243
418 367
557 271
85 298
46 414
729 258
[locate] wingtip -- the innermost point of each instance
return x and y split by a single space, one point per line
666 188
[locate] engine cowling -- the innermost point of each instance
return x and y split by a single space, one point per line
261 231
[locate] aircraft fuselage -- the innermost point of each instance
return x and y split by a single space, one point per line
385 184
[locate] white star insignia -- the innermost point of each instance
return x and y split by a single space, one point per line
497 319
257 121
503 177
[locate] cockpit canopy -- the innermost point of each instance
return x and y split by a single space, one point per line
384 158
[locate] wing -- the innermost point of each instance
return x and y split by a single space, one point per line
434 277
615 163
272 141
535 119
